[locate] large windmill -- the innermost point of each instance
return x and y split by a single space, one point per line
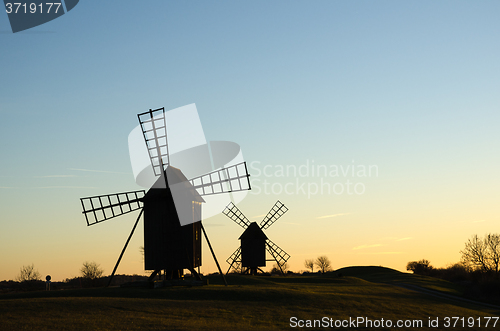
251 255
171 207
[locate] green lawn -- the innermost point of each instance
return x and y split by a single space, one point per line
249 303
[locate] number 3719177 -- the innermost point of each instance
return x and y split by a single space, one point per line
470 322
23 7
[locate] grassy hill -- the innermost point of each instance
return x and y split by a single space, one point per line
248 303
391 276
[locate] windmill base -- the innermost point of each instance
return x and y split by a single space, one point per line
173 274
252 271
178 282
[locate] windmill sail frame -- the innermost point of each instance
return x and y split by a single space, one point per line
230 179
154 129
273 215
101 208
236 215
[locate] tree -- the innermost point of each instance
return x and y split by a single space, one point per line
28 273
91 270
493 245
323 263
482 253
276 269
309 264
421 267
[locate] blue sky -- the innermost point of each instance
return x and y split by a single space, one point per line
411 87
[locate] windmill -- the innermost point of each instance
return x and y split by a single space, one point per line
171 207
254 243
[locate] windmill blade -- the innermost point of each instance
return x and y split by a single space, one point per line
100 208
236 215
231 179
154 129
274 214
234 258
277 253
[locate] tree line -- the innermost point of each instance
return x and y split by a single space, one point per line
479 255
477 273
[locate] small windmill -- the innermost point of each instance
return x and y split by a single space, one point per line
171 207
254 243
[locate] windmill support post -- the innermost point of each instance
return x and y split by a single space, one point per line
279 264
153 275
213 254
229 268
233 261
124 248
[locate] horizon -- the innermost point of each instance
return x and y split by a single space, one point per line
389 109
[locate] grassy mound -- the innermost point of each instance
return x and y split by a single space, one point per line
391 276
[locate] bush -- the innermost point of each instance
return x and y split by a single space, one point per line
422 267
276 269
91 270
91 274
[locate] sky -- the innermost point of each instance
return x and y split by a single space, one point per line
403 93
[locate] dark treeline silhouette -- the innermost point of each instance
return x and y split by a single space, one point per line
477 272
68 283
475 283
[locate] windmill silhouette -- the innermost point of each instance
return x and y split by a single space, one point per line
254 243
171 207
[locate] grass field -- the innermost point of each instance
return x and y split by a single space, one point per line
249 303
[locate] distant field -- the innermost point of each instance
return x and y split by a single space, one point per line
249 303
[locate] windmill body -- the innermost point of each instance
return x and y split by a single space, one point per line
171 207
253 247
168 245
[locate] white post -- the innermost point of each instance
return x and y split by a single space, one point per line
47 283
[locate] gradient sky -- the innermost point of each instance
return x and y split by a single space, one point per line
410 88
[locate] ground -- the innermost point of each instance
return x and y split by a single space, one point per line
248 303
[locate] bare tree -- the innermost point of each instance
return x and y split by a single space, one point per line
323 263
482 253
309 264
493 244
276 269
91 270
28 273
475 253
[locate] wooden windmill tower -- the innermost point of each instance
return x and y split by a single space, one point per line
251 255
171 207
